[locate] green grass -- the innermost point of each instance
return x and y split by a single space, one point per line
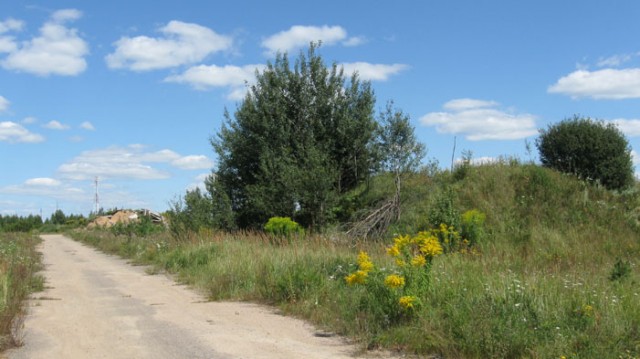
19 264
556 273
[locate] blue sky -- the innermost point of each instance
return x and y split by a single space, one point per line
131 91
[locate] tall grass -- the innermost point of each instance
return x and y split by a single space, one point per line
555 275
19 264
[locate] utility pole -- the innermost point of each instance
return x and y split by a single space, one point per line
97 199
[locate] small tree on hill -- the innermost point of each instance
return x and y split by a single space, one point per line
589 149
400 150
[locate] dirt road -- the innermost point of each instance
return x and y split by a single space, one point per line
97 306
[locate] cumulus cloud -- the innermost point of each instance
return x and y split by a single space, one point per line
373 72
86 125
204 77
480 120
630 128
42 181
4 104
55 125
181 43
12 132
58 50
7 42
47 187
604 84
300 36
131 162
193 162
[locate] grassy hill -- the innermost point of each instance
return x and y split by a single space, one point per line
552 273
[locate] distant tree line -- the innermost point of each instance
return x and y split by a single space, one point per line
15 223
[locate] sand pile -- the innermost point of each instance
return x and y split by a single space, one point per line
123 217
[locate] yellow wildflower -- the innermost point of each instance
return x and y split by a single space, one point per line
364 262
431 247
401 241
400 262
393 251
394 281
418 261
406 302
358 277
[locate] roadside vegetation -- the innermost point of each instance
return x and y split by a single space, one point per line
19 267
551 269
328 211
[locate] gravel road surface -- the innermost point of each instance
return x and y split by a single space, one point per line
98 306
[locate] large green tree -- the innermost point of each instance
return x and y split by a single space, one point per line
590 149
302 136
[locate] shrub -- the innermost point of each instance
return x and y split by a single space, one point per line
589 149
282 227
473 225
395 294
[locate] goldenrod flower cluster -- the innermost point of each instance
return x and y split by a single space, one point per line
419 249
365 265
406 302
394 281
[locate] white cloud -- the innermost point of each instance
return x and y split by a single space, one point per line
203 77
12 132
4 104
609 84
299 36
481 121
47 187
131 162
194 162
10 25
29 120
42 181
87 126
57 51
55 125
354 41
8 43
635 156
630 128
462 104
373 72
198 182
181 44
615 60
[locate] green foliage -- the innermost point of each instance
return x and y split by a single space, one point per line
301 138
19 264
621 269
472 223
399 149
444 210
15 223
197 211
544 297
589 149
283 227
